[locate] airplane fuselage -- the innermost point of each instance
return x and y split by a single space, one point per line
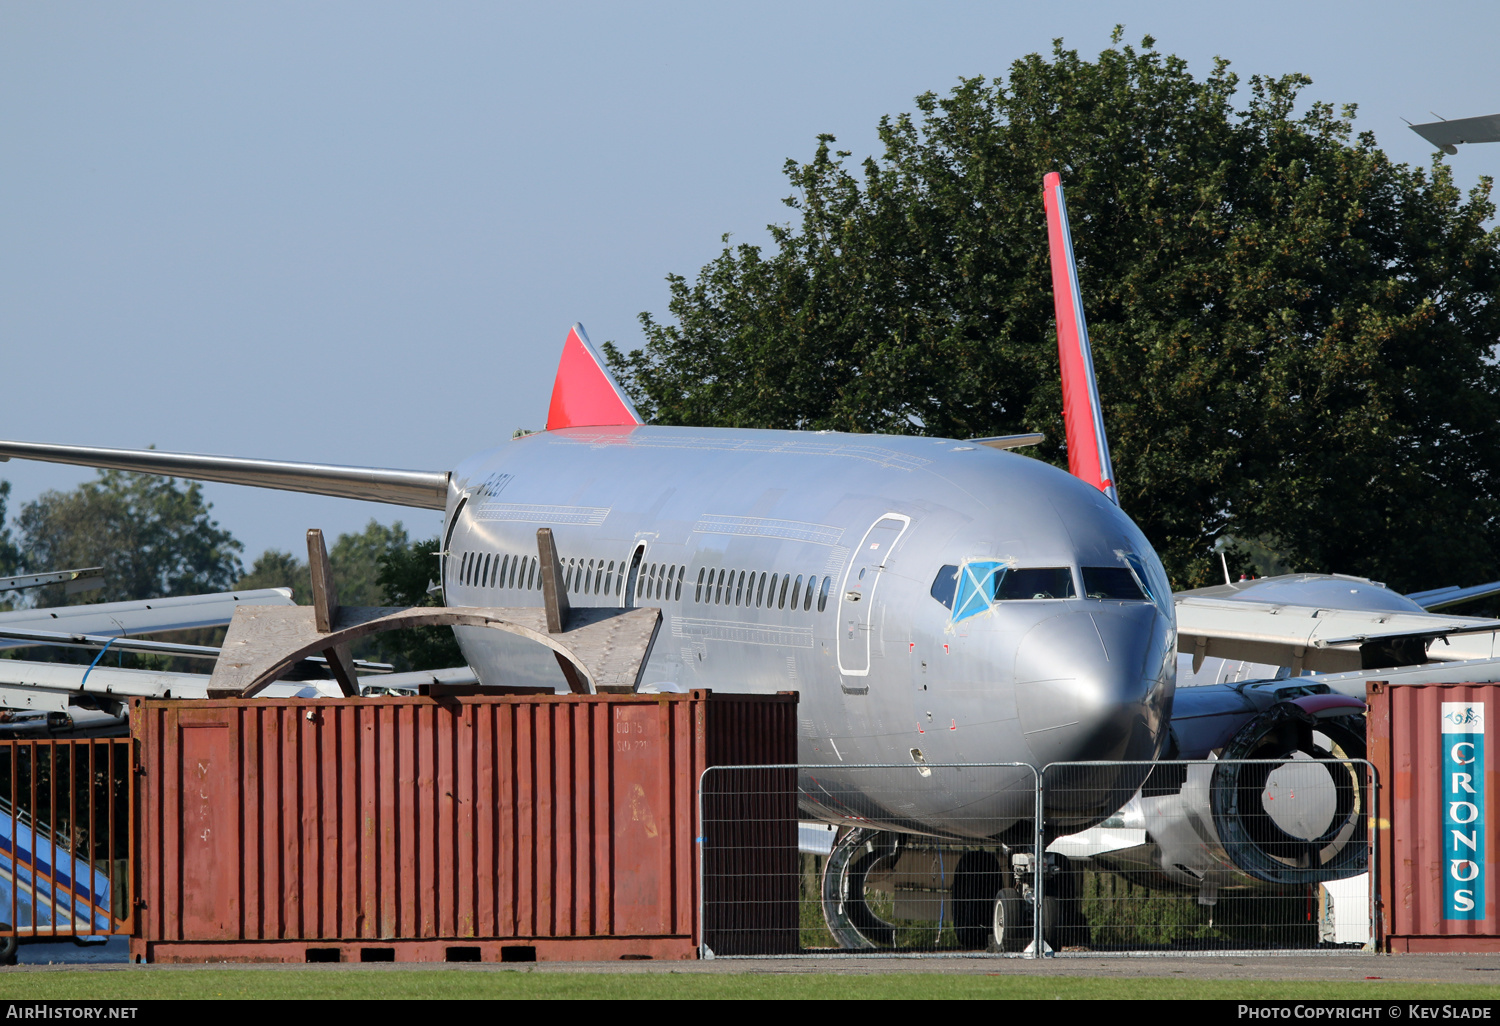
812 562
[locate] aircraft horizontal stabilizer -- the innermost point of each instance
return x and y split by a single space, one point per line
1012 441
1449 135
1442 598
423 489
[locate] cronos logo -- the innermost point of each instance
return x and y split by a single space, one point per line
1463 810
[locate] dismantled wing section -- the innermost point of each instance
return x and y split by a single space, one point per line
585 394
1449 135
423 489
151 616
1088 449
1323 640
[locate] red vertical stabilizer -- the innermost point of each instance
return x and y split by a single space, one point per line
1088 449
585 394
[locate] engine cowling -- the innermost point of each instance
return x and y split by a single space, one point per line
1281 813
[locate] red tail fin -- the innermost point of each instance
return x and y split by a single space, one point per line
1088 449
585 394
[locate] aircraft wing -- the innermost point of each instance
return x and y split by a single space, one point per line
422 489
1320 639
150 616
1449 135
54 687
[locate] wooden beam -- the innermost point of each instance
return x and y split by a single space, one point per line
326 612
554 595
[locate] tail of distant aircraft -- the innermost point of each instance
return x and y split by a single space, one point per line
1088 449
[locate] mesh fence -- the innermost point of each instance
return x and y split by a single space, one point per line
1267 855
65 837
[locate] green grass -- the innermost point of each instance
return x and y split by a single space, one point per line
394 984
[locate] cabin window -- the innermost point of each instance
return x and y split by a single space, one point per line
823 594
698 590
529 573
781 599
663 582
796 590
719 589
760 590
771 591
609 577
484 574
812 582
503 569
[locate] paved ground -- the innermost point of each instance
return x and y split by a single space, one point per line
1482 969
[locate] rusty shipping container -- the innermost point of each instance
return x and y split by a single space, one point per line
1436 762
495 828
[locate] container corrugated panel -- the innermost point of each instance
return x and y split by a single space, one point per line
563 824
1437 764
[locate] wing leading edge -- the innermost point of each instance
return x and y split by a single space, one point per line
423 489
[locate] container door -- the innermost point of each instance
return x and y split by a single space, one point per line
857 598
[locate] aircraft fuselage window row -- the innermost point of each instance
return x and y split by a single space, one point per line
759 589
654 581
971 588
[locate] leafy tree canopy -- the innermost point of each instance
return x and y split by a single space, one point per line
153 536
1294 336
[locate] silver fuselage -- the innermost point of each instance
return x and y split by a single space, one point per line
884 671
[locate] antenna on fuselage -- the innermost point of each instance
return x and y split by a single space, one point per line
1083 416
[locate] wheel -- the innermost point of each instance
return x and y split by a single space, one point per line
9 947
976 880
1012 926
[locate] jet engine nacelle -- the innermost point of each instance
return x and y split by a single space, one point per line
1275 807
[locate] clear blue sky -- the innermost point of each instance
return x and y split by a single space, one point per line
358 233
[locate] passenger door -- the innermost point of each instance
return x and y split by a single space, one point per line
856 601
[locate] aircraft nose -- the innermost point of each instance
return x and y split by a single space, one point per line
1096 684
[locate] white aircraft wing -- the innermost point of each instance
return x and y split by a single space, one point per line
1449 135
150 616
1316 638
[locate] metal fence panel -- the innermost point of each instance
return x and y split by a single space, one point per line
66 818
873 890
1239 855
1243 855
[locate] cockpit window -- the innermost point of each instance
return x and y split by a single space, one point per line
945 584
971 588
1112 582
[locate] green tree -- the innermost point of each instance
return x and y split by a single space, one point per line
1293 335
277 569
405 572
153 536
